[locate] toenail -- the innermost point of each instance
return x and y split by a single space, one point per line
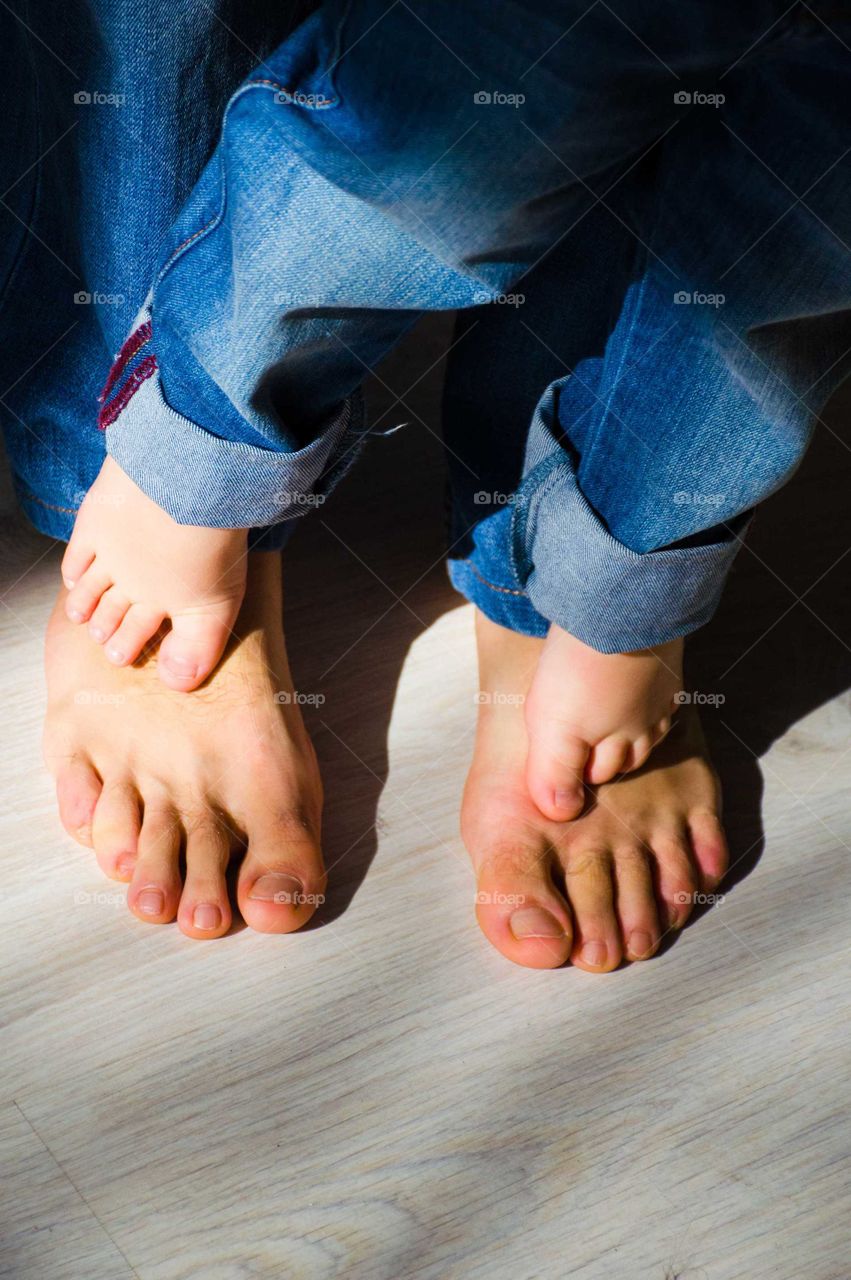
568 799
96 633
115 655
75 615
594 953
535 922
276 887
182 666
125 864
640 944
151 901
206 916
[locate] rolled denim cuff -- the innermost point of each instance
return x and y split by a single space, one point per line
581 577
200 478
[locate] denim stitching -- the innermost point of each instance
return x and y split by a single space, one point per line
108 414
131 347
51 506
506 591
219 214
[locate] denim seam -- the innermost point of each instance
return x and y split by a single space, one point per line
537 484
50 506
263 85
505 591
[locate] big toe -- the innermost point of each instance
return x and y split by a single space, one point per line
193 647
282 878
519 909
555 771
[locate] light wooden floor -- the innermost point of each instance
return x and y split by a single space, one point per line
383 1096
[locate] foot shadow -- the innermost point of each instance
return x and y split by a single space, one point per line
779 646
366 576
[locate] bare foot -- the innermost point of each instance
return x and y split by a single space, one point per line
592 716
145 775
600 889
129 567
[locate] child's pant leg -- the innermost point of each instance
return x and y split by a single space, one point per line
361 178
643 464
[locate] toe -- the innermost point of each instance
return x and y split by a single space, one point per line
282 877
115 830
108 615
709 847
154 893
590 891
607 760
676 877
194 645
555 769
83 597
78 789
204 910
519 909
138 627
76 560
636 902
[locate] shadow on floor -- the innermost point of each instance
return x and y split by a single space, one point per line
776 650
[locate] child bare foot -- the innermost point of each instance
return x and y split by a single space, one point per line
596 891
129 567
591 716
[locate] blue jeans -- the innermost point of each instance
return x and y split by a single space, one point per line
641 215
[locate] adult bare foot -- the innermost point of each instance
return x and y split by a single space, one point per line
607 886
146 776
